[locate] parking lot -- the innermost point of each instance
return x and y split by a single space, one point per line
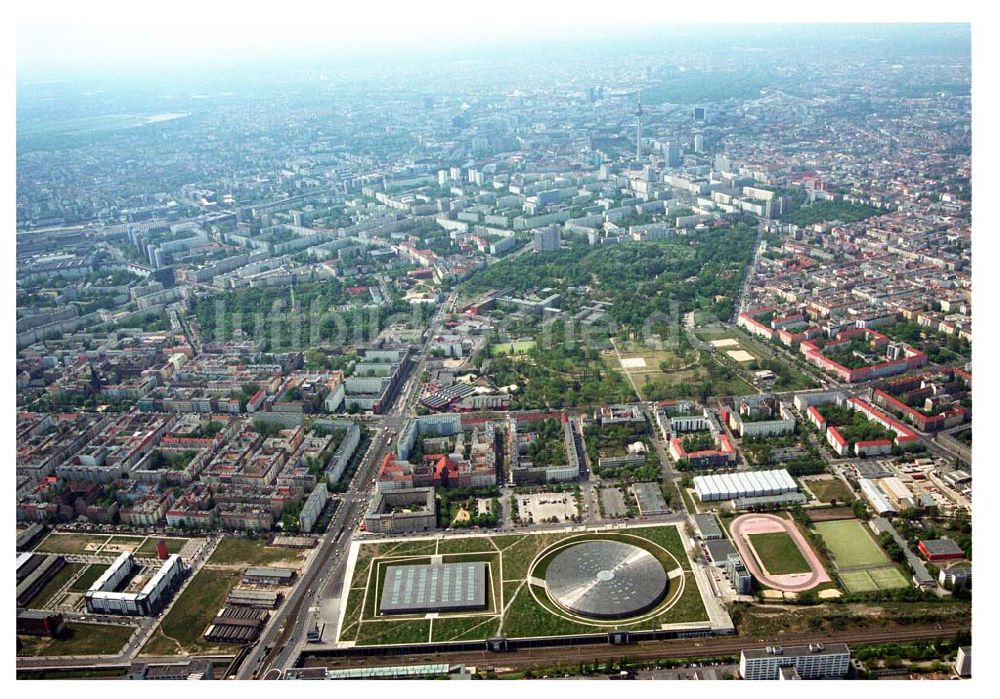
542 507
613 503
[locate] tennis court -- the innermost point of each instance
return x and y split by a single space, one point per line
858 581
887 578
861 564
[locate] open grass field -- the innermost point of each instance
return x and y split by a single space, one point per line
464 628
466 545
88 578
517 606
181 631
80 639
253 552
380 633
683 383
149 547
46 596
850 544
96 673
830 489
69 543
411 548
788 376
778 553
124 543
649 367
770 621
651 359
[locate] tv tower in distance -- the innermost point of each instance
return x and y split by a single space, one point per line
638 127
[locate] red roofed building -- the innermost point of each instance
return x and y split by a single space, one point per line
816 418
873 447
912 358
940 550
721 457
837 441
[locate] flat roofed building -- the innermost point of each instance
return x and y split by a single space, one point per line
709 527
261 599
650 499
738 574
815 661
39 622
102 597
403 510
436 587
768 502
720 550
940 549
190 670
269 576
30 535
955 577
33 573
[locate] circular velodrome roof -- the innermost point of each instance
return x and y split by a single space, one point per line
606 580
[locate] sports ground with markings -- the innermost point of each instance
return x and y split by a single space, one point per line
777 553
860 563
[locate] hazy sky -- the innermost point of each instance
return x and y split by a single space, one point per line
56 39
182 33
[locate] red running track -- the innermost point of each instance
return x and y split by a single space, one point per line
745 525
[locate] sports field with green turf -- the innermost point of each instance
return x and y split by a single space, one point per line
850 544
860 563
778 553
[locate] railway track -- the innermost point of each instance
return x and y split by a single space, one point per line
652 650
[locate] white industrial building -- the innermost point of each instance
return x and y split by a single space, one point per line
876 498
897 492
727 486
102 598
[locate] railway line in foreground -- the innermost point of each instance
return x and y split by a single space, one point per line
707 647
